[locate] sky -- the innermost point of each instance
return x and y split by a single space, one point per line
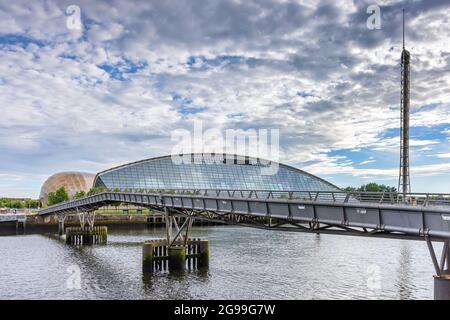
113 88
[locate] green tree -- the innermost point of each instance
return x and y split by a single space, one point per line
16 204
371 187
350 189
33 204
58 196
92 191
79 194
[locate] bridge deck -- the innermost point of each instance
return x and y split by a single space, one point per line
366 214
12 218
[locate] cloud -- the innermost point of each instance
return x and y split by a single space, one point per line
367 161
443 155
115 92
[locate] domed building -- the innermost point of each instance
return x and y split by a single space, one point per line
71 181
195 171
208 171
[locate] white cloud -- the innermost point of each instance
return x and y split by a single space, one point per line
443 155
310 68
367 162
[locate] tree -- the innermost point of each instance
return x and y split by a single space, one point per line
58 196
350 189
16 204
79 194
3 202
96 190
371 187
33 204
92 191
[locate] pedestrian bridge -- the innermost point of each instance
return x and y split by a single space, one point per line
392 215
411 216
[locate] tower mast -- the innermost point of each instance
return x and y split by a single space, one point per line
404 181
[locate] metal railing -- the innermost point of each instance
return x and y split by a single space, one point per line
415 199
12 217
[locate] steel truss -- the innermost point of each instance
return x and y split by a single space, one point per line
443 267
280 224
182 233
337 215
179 234
86 217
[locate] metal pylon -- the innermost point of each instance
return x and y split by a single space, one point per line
181 233
86 218
443 266
404 185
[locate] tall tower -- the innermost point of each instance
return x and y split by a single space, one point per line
403 181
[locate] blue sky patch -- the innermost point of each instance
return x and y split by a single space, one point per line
201 63
121 70
20 40
305 94
184 105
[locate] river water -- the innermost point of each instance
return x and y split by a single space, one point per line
245 263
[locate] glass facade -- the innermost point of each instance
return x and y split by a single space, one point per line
206 172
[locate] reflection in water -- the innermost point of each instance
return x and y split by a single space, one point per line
244 264
404 282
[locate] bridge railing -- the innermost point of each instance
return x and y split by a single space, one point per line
12 217
415 199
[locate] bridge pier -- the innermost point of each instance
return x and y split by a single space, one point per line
442 277
203 261
175 253
61 220
177 258
442 287
158 256
86 235
21 225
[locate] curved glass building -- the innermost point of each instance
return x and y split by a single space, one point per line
209 171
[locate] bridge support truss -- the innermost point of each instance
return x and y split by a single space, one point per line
87 233
442 267
61 222
177 251
87 217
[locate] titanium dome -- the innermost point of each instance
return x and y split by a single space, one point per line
71 181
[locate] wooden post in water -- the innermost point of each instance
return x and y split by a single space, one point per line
177 258
86 235
147 257
158 256
203 258
61 227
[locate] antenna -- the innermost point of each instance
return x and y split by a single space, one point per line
403 28
404 185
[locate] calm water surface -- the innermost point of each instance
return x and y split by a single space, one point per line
245 264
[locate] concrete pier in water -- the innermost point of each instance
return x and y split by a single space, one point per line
158 256
442 287
86 235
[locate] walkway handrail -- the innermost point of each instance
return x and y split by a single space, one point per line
415 199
